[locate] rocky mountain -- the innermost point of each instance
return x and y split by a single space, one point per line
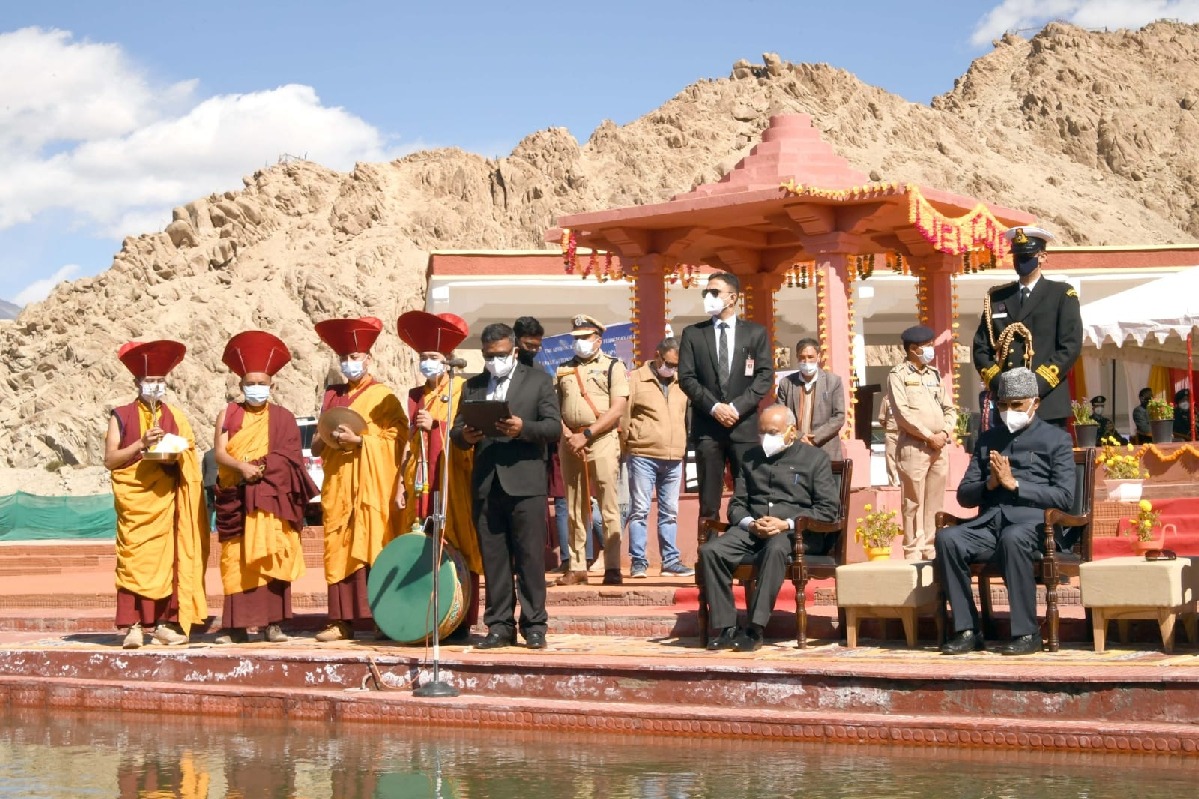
9 310
1092 132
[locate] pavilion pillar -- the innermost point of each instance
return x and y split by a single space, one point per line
935 296
833 291
649 304
762 286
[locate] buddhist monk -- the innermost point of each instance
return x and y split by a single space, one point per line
262 490
434 337
362 490
162 523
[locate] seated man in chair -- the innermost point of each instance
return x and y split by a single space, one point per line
1019 469
781 479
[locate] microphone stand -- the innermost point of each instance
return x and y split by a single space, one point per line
437 688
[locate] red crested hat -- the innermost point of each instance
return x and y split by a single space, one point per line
426 332
151 358
350 335
255 351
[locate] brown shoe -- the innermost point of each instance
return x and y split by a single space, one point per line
613 577
572 578
274 634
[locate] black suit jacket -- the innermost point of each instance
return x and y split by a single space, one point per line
1042 459
797 481
518 463
697 378
1052 316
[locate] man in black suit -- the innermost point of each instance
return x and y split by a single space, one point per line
1019 468
781 478
508 483
1032 315
725 369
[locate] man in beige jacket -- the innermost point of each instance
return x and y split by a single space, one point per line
654 438
926 422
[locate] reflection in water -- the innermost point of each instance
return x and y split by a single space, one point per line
67 754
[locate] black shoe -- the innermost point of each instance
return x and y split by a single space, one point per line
535 639
1024 645
963 643
750 640
460 635
613 577
726 639
496 639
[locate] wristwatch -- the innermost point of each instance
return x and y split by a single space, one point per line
587 433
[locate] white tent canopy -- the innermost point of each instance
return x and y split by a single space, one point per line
1155 318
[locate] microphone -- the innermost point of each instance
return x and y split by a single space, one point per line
456 363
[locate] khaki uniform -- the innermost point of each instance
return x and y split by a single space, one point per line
599 470
919 405
886 417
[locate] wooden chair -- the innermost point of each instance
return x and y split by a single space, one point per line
1067 546
804 566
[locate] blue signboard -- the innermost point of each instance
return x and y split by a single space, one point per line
618 342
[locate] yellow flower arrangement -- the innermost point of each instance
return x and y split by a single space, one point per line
877 528
1121 464
1144 523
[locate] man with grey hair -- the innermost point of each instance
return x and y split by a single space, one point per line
781 478
1019 469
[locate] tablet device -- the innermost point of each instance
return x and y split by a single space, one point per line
483 414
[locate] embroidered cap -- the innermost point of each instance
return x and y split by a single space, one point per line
1019 383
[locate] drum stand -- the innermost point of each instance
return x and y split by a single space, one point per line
437 688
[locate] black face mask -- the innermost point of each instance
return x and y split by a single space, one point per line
526 357
1026 264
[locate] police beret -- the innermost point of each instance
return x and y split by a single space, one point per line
1098 399
1019 383
918 334
584 325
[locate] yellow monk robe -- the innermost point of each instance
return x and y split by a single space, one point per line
162 525
358 495
270 548
423 458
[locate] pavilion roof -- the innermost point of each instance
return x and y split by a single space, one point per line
791 199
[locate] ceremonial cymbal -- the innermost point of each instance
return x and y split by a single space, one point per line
161 457
335 417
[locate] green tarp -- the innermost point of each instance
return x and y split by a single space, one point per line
26 517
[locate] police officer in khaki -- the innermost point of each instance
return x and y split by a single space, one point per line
593 389
926 421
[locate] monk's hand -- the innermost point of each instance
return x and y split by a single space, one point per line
250 472
401 497
577 444
725 414
345 436
471 435
423 420
511 426
152 437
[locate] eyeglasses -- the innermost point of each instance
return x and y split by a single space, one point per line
1013 405
498 356
710 293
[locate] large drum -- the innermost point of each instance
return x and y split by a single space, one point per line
400 589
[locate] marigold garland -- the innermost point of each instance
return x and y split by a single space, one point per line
1185 449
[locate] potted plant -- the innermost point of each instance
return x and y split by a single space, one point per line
1086 429
1146 528
1124 475
875 532
961 430
1161 420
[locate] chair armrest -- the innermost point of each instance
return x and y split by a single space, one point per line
803 524
710 527
1053 516
947 519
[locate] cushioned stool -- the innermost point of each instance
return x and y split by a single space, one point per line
886 589
1134 588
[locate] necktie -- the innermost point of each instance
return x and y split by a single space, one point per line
1024 292
722 355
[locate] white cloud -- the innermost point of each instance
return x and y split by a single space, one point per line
95 140
1013 15
39 290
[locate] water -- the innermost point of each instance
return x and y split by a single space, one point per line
80 755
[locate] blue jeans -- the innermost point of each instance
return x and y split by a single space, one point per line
563 524
646 475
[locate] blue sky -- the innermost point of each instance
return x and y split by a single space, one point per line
128 109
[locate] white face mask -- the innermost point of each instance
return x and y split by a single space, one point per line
926 355
501 367
584 347
808 369
713 305
665 371
1016 420
1184 406
432 368
153 391
352 370
773 444
257 395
